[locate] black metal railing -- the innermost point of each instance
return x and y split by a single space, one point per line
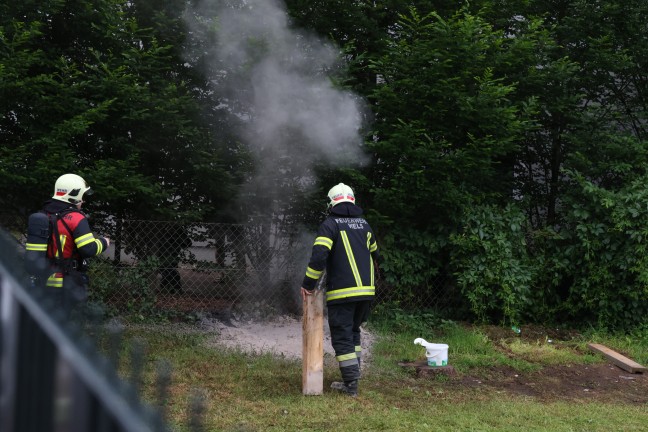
52 378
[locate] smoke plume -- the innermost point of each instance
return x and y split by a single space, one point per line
275 85
277 81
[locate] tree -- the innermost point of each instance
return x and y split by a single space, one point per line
87 90
445 135
589 140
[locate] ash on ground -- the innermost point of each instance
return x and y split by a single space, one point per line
280 336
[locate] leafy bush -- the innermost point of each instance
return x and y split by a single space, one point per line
138 280
391 318
491 264
104 283
140 283
597 262
412 263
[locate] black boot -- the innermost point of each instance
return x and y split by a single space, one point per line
349 388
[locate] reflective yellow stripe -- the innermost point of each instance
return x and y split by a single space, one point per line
55 282
352 263
347 360
38 247
324 241
62 238
358 349
370 246
313 274
99 246
343 357
351 292
84 240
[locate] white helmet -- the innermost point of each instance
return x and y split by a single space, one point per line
70 188
340 193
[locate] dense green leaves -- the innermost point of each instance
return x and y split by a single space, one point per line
493 103
491 263
596 264
445 135
445 128
508 139
87 90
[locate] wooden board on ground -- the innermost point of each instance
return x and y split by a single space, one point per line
423 370
623 362
313 344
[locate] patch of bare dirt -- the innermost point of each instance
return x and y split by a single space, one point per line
603 382
600 382
529 333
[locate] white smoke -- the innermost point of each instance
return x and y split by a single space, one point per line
277 80
290 91
276 84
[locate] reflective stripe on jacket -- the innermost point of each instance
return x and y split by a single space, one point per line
77 243
344 246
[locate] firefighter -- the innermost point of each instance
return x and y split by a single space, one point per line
345 247
70 243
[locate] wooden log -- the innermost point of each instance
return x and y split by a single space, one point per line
620 360
313 344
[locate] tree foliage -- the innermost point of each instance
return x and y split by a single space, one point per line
508 139
87 90
494 108
444 138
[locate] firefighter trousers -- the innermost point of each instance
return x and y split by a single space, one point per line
344 321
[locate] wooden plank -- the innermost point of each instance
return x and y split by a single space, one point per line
623 362
313 344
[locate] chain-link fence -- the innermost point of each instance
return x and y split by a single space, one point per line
155 266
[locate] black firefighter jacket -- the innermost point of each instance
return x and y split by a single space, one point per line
344 246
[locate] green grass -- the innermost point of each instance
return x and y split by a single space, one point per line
263 393
468 349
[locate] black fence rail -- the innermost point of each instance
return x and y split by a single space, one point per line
52 376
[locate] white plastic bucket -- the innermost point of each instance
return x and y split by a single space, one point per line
437 354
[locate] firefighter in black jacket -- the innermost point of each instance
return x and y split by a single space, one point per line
69 241
346 248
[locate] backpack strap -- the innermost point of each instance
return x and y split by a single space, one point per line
64 264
